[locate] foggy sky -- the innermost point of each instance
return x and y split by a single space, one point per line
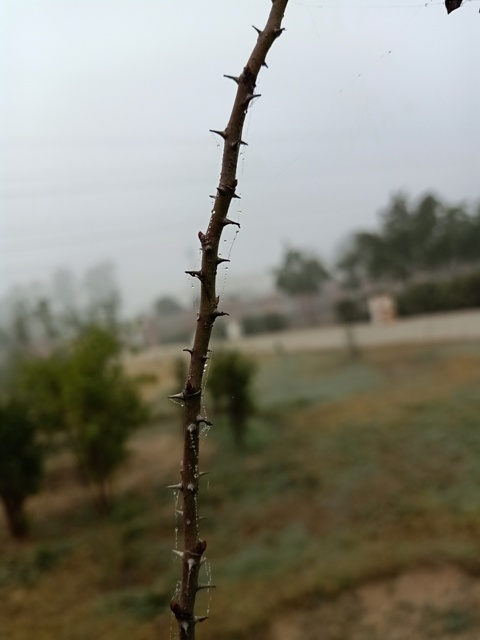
106 106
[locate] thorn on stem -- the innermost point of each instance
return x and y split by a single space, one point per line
218 314
278 32
178 396
220 260
196 274
237 143
259 31
227 221
250 97
234 78
202 585
222 134
178 486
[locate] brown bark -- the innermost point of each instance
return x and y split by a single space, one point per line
15 515
192 555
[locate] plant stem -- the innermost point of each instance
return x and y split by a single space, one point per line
194 547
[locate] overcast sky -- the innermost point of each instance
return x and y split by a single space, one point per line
106 105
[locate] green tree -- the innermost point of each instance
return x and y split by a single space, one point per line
230 385
167 306
21 459
83 392
427 237
301 276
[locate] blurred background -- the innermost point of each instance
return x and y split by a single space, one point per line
344 384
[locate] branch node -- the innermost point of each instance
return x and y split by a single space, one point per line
190 390
204 241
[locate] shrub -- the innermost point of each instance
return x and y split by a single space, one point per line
462 292
230 385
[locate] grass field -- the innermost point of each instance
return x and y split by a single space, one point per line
360 480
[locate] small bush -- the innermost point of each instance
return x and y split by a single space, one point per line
348 310
462 292
230 385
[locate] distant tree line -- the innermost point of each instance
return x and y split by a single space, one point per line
426 253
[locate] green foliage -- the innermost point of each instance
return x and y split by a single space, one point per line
20 464
167 306
300 273
427 237
230 385
348 310
144 604
462 292
27 568
83 392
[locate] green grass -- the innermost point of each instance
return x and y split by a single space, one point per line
353 471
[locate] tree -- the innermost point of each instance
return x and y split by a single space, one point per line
83 392
414 240
301 276
21 460
193 547
230 385
104 406
167 306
